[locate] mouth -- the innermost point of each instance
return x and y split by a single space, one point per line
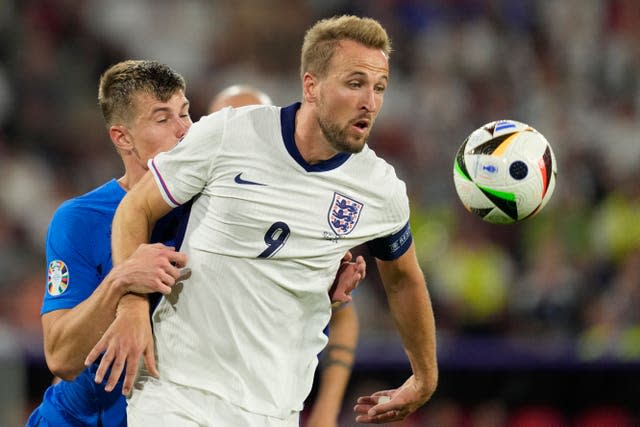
362 125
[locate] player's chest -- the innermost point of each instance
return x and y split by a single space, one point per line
323 205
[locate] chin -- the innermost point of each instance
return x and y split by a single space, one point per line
357 145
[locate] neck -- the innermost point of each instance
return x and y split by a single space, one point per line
310 140
130 178
124 183
134 170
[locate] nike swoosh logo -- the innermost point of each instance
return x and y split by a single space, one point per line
238 179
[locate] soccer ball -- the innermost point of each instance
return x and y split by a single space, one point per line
505 172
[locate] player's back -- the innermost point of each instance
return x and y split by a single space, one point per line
79 258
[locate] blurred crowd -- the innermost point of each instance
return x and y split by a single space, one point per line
565 284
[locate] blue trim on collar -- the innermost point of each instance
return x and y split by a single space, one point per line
288 125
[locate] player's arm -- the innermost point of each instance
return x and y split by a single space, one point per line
336 363
411 309
70 333
135 217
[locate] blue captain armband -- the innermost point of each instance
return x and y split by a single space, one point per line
392 246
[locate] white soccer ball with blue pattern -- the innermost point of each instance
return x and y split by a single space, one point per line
505 172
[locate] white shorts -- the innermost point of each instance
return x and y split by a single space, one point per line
162 403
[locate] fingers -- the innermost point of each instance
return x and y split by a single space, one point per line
107 358
387 417
129 376
185 273
378 408
150 361
117 363
379 417
179 259
116 370
159 251
345 282
361 266
163 288
338 302
347 257
170 278
154 270
94 354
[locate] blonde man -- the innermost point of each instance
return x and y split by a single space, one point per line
283 193
338 355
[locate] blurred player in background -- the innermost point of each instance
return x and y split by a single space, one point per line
283 193
146 112
337 358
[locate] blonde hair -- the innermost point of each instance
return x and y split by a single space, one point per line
321 39
125 80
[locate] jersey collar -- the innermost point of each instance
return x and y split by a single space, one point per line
288 126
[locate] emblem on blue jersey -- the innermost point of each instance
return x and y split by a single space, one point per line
57 278
344 214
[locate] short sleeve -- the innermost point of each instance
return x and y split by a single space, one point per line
392 246
183 172
395 243
75 259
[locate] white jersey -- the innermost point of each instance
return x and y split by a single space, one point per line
265 239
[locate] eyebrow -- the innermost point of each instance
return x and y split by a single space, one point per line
363 74
166 109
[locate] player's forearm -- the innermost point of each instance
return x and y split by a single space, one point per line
336 363
413 315
328 402
69 335
334 377
131 227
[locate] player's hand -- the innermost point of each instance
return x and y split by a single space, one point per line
392 405
347 279
151 268
127 339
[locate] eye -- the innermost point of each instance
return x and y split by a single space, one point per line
380 88
354 84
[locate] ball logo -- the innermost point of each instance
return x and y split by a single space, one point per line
490 168
57 278
487 168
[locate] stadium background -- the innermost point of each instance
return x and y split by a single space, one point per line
537 321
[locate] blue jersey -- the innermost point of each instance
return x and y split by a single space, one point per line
78 250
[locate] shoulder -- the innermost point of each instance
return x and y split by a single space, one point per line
248 113
96 206
383 188
253 112
230 124
379 171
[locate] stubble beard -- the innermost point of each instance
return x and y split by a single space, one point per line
338 138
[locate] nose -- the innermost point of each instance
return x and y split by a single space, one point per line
370 100
182 127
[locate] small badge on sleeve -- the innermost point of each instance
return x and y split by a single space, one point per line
57 278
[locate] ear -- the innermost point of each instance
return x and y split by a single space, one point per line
310 87
121 138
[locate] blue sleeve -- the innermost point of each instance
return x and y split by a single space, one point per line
393 246
76 258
